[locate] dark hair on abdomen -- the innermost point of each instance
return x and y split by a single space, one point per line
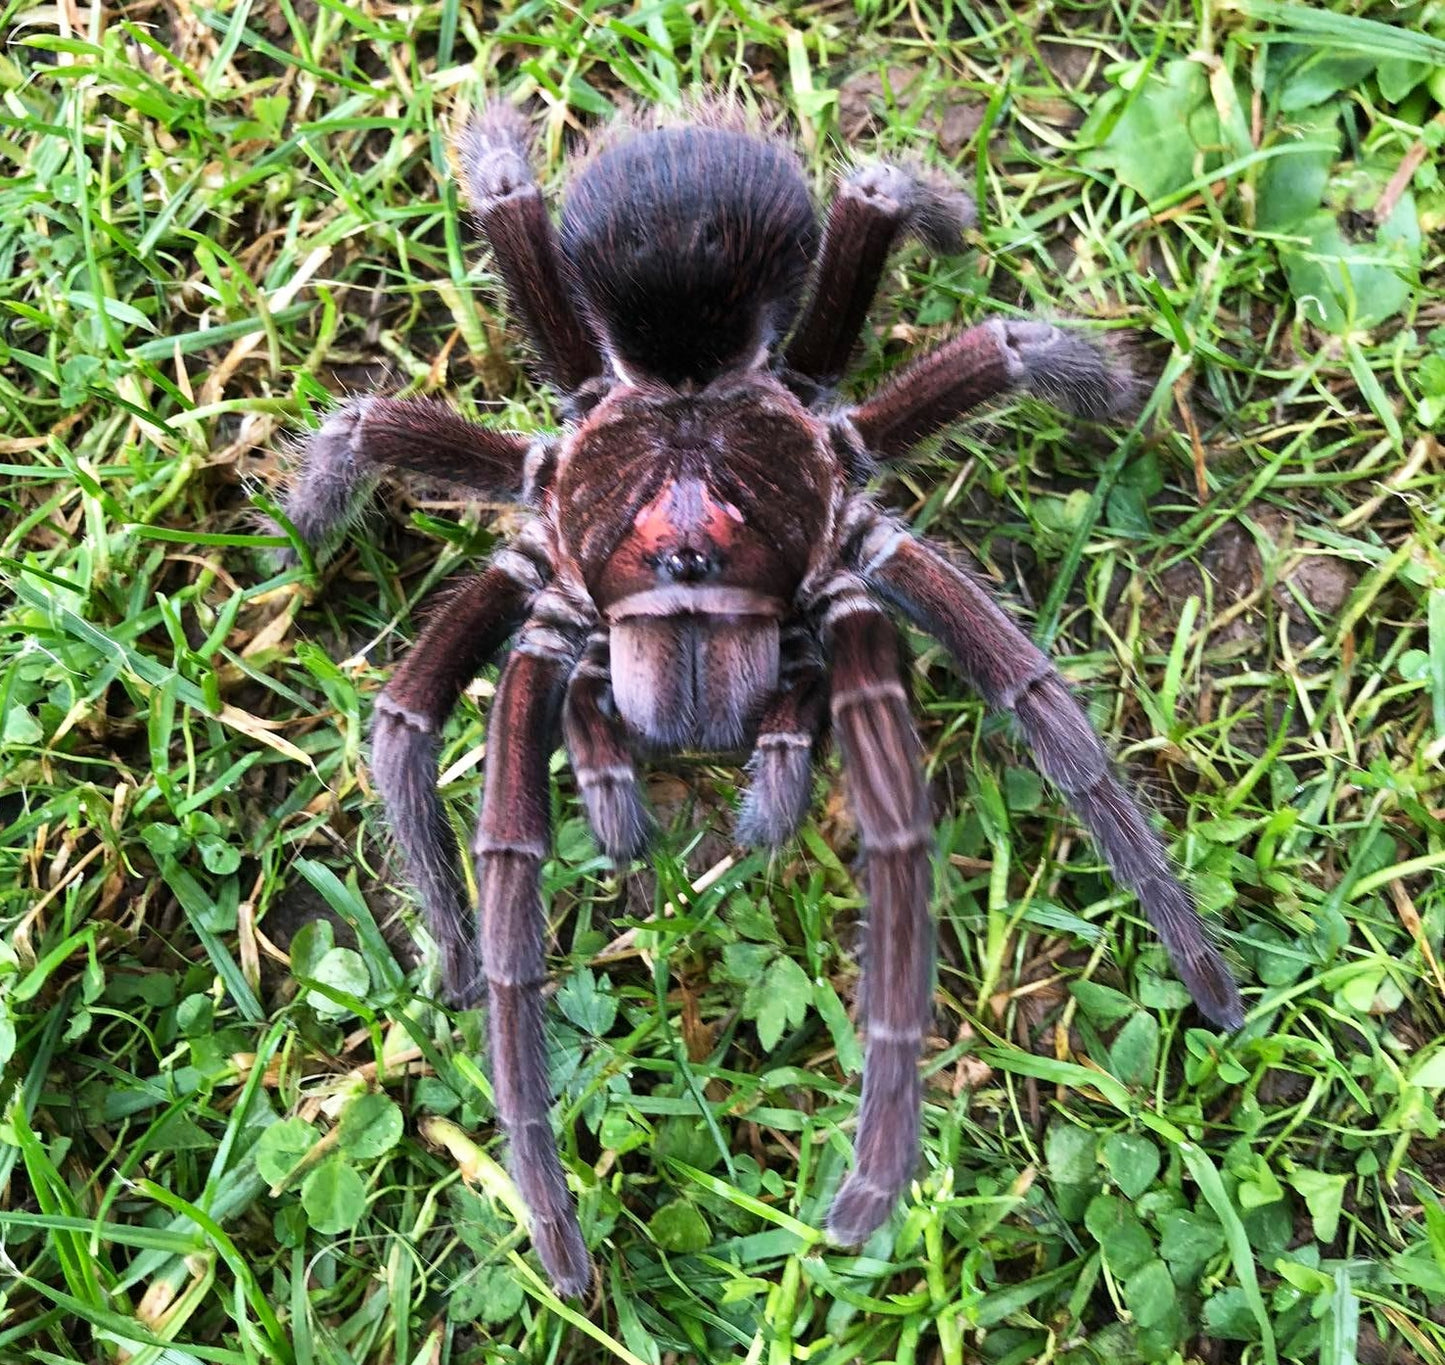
690 247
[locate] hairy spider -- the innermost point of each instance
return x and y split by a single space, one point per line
704 572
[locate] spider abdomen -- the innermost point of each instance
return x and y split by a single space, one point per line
690 247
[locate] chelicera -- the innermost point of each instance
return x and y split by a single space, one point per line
704 571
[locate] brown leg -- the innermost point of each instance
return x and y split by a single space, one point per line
513 837
885 783
369 436
988 360
780 772
871 210
1012 675
513 217
602 760
461 637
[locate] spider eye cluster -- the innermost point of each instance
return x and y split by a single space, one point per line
690 248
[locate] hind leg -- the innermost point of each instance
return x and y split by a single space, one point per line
513 217
872 209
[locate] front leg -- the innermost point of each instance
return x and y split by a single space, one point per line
462 635
1013 675
513 837
780 771
883 767
602 760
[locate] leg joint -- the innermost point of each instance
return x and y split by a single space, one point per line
862 693
905 839
413 720
490 846
606 775
785 739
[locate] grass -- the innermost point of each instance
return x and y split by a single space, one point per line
237 1125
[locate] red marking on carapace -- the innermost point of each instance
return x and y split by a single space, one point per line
685 513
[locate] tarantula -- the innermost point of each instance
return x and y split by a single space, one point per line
705 572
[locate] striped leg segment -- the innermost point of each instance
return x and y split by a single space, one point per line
884 773
369 436
872 209
988 360
460 638
493 150
780 772
602 760
513 837
1012 675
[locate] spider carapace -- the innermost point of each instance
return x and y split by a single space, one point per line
704 570
719 501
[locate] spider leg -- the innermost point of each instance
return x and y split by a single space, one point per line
493 149
1012 675
990 359
780 771
871 210
512 840
458 641
367 436
890 801
602 759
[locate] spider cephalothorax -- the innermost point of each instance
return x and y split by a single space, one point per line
705 572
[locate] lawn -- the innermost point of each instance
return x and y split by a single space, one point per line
238 1123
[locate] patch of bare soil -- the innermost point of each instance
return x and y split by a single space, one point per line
863 99
300 905
1226 571
1371 1350
1308 584
1068 63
